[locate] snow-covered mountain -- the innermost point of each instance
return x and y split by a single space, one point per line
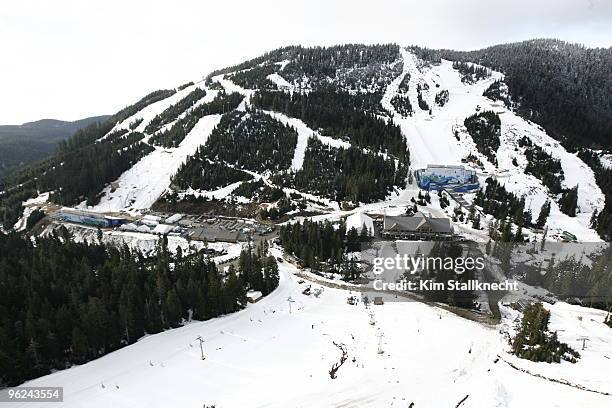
380 81
324 134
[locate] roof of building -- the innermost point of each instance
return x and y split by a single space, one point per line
129 227
143 228
81 213
358 220
446 166
150 219
417 223
163 229
214 234
174 218
254 295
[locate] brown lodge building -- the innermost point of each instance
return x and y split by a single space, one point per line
417 227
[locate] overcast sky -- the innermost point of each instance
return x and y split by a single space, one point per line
71 59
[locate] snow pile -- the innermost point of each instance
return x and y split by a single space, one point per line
38 200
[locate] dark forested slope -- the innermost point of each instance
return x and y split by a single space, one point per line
33 141
566 88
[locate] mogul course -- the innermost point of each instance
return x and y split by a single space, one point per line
430 285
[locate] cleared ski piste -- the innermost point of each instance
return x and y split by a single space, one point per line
149 112
140 186
431 140
264 356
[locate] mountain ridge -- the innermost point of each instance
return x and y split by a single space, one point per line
310 78
33 141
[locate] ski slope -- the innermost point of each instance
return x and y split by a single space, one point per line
430 137
279 81
140 186
149 112
431 140
304 133
265 356
230 87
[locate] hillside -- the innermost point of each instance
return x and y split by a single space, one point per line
562 86
279 357
253 181
23 144
357 118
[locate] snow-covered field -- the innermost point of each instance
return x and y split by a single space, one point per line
266 356
572 324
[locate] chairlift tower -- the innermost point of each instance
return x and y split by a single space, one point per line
290 301
584 339
380 336
201 346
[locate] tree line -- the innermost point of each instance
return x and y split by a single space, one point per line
174 136
322 245
471 73
252 140
351 66
201 173
344 174
174 111
500 203
340 115
542 165
535 342
65 303
485 129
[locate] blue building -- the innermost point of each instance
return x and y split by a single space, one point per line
87 218
455 178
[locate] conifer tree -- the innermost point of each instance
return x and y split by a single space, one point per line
544 213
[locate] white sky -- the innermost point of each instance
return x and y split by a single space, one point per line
71 59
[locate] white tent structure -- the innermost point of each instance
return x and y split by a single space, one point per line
358 220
